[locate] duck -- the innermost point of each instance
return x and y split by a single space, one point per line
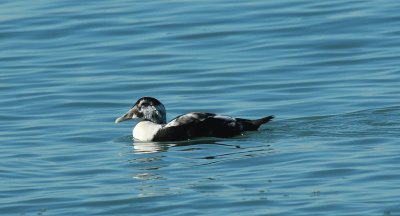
152 124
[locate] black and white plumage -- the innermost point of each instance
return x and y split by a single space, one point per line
153 126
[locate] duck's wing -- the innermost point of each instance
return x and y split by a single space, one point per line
189 118
198 124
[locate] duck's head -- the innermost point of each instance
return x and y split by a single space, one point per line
146 108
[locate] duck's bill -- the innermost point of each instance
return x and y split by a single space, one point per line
131 114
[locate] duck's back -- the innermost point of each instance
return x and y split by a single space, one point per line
198 124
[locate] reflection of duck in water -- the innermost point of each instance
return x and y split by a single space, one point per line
153 125
150 147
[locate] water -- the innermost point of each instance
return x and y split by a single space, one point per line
328 71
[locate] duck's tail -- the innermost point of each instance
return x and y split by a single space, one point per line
251 125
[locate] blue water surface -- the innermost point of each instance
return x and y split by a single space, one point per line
328 70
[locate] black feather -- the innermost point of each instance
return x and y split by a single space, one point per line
251 125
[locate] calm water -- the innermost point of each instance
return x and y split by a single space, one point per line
329 71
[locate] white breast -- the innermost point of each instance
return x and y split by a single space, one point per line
145 130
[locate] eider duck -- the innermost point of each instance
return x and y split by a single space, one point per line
152 124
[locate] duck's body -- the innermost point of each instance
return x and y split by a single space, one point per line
153 126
